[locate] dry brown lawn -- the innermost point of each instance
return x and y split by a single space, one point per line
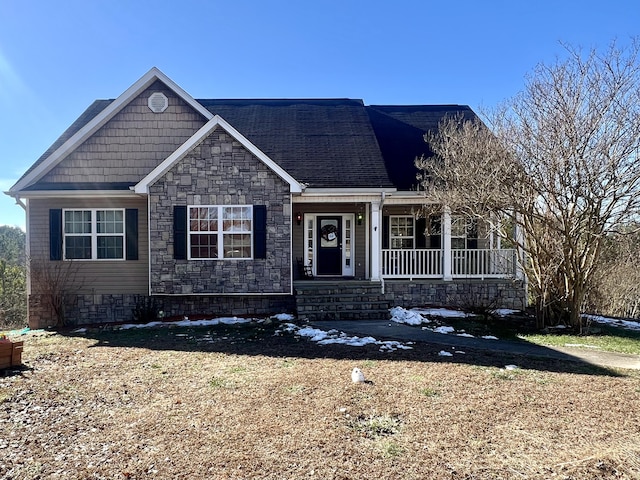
242 403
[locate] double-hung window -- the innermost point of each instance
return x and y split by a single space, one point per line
94 234
220 232
402 232
464 232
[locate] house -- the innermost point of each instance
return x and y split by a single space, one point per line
245 207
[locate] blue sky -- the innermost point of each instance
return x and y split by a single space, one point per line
56 57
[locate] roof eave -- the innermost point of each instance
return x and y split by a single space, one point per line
71 193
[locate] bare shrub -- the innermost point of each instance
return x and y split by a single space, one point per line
58 283
147 309
616 288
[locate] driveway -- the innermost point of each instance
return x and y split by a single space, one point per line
385 329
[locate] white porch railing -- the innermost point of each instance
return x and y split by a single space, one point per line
425 263
482 263
468 263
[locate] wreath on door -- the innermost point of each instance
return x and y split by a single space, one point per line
329 232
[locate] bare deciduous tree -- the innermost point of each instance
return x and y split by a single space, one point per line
560 161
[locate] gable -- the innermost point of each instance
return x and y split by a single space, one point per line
93 120
131 144
185 149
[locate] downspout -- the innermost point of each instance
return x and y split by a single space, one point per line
382 197
27 248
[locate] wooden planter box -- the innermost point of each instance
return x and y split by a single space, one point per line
10 354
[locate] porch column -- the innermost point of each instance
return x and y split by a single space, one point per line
519 241
446 244
376 232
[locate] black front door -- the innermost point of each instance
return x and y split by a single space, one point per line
329 256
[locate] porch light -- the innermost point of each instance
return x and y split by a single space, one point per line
299 218
360 218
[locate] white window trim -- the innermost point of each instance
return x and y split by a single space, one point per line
402 237
220 232
94 234
467 230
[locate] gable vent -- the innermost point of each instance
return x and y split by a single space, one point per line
158 102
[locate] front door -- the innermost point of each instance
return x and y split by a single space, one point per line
329 254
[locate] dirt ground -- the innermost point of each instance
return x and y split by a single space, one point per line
244 402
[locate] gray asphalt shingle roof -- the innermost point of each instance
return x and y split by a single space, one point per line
325 143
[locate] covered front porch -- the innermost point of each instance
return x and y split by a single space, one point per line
387 236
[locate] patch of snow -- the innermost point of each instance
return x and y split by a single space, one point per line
314 334
616 322
444 353
211 322
283 317
335 337
489 337
128 326
511 367
189 323
79 330
503 312
441 312
464 334
409 317
392 346
444 329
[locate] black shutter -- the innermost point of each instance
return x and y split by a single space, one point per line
385 232
421 227
259 231
435 239
472 235
131 233
55 234
180 232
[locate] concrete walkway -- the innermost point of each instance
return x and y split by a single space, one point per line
388 330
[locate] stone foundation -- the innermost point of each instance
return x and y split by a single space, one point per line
463 294
106 309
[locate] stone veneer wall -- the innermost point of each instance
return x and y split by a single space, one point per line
220 171
494 293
